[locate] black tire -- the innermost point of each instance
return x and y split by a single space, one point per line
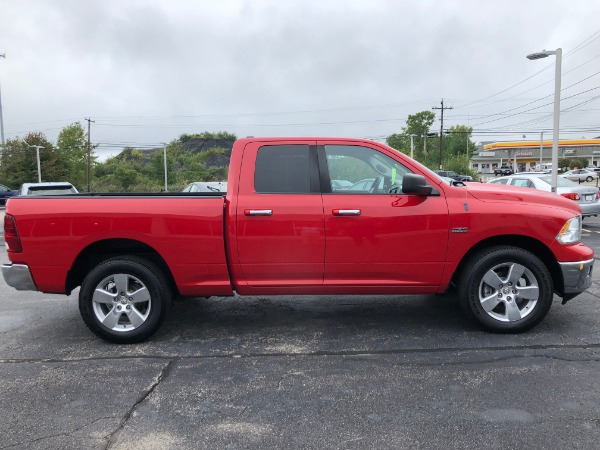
134 313
589 179
504 279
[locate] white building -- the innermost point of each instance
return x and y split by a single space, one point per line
525 155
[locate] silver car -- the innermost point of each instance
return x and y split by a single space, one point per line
587 197
580 175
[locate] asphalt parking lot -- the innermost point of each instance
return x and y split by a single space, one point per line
308 372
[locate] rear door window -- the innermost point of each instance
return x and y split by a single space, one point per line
286 169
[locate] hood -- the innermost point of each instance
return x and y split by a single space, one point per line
502 193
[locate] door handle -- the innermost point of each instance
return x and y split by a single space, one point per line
258 212
346 212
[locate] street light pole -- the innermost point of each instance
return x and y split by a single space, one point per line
541 147
555 126
39 166
165 158
412 147
2 55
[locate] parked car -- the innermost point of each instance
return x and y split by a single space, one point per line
453 175
340 185
580 175
5 193
362 185
48 188
587 197
503 170
206 186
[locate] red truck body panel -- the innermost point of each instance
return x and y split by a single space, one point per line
186 232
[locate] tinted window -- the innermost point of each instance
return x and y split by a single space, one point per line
283 169
500 181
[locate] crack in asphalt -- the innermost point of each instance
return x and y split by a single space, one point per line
165 372
318 353
65 434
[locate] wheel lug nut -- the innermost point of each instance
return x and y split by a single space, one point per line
500 286
499 294
509 298
514 291
510 284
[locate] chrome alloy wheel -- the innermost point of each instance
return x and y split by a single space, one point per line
121 302
508 292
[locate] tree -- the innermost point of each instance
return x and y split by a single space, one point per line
19 161
418 125
72 145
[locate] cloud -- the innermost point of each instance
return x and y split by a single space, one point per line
149 71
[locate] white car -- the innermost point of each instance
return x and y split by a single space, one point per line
206 186
587 197
49 188
580 175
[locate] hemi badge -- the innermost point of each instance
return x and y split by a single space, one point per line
460 230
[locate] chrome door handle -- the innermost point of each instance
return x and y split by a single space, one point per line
346 212
258 212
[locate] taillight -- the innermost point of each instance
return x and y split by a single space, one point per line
11 234
572 196
598 194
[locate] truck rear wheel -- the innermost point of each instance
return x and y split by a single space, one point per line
124 300
506 289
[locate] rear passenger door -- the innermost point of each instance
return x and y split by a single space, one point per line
280 225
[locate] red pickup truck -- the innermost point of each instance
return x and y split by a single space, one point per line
302 216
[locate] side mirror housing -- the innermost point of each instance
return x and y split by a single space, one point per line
415 184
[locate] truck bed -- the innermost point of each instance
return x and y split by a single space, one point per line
185 230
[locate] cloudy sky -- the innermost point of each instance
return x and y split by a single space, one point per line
147 71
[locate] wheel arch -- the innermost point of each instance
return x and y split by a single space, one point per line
105 249
526 243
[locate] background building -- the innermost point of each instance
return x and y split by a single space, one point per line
525 155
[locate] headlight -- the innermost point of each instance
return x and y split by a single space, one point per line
570 233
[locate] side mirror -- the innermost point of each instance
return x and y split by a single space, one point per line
415 184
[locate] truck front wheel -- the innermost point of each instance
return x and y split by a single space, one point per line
124 300
506 289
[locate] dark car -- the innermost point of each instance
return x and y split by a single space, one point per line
504 170
453 175
5 192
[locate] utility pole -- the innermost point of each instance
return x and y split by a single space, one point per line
2 55
442 129
37 151
89 154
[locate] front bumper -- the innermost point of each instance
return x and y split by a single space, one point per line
577 277
19 277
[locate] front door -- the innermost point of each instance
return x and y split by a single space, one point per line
375 234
